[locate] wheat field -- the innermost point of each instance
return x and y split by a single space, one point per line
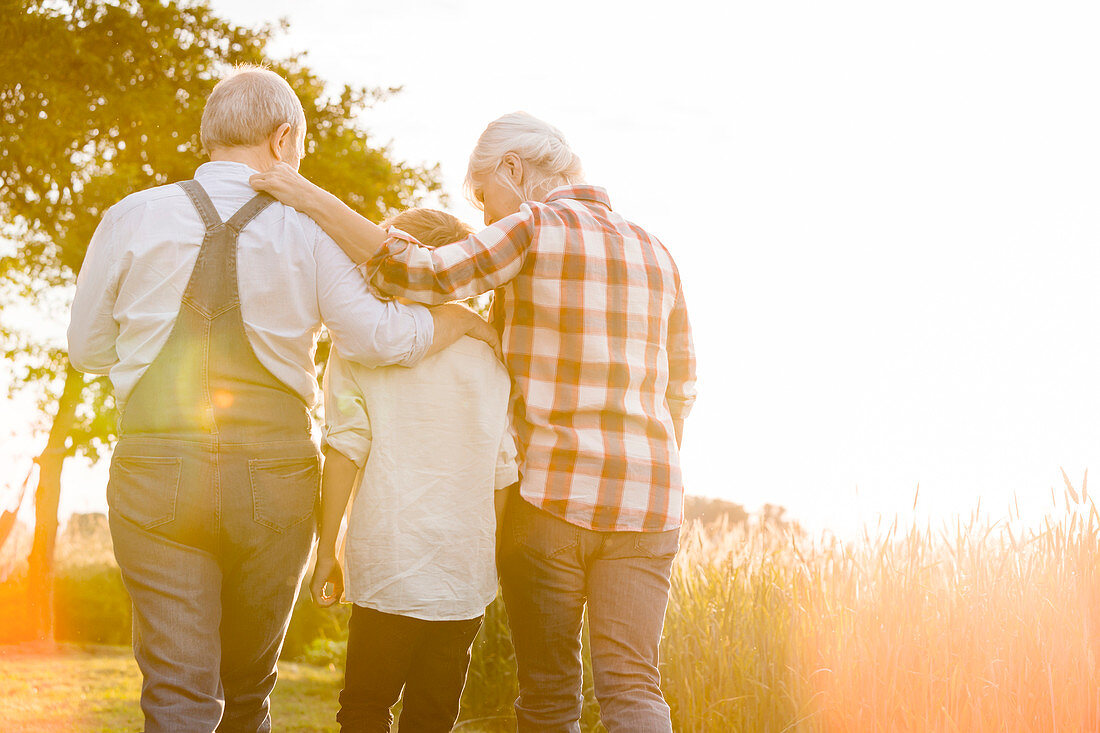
973 626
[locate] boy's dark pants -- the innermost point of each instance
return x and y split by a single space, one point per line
386 652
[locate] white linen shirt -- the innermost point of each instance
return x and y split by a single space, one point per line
434 442
291 275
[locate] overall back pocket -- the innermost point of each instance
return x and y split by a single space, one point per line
143 489
284 490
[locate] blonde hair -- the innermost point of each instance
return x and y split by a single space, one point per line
431 227
548 161
247 106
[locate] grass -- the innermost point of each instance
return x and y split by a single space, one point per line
96 689
973 626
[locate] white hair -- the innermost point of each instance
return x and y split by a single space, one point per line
548 161
247 106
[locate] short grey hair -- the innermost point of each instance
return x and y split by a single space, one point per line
548 160
247 106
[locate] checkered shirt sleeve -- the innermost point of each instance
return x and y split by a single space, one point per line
597 338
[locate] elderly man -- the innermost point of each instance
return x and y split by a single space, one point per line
203 301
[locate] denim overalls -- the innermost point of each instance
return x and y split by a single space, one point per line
212 493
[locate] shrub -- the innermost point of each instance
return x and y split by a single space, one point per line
91 605
312 626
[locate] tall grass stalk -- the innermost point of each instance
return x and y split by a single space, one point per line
972 627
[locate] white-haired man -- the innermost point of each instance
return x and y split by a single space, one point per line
203 302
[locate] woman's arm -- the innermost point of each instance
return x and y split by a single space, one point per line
357 235
475 265
680 394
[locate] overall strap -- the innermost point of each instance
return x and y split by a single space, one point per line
249 211
202 203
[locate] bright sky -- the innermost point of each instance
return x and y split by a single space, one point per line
884 217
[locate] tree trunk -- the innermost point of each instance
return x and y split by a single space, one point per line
7 519
46 499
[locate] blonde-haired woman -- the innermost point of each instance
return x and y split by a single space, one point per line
596 337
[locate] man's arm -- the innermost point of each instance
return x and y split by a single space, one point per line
453 321
93 331
365 329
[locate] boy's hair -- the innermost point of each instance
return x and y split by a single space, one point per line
431 227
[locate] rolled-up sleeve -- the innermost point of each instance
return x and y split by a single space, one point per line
93 331
365 329
681 360
347 424
469 267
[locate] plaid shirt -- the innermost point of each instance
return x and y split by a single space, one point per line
596 337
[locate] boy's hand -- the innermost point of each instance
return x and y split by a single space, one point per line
327 573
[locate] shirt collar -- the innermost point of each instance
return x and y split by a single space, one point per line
225 169
226 178
581 192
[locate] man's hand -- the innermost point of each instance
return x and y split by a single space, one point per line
453 321
287 185
482 331
326 573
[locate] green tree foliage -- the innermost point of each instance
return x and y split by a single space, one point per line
100 98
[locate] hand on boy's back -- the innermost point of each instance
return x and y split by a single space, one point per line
327 573
482 331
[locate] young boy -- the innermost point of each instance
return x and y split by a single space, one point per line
432 442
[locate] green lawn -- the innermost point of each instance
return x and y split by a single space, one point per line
96 689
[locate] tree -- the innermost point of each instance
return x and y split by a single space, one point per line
100 98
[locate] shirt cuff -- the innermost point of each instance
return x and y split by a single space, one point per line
351 442
425 334
348 443
680 406
397 243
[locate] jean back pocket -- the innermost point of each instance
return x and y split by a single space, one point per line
143 489
284 490
539 531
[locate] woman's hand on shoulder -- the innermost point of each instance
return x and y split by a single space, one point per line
287 185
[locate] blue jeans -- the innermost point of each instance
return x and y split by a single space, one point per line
549 570
212 542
